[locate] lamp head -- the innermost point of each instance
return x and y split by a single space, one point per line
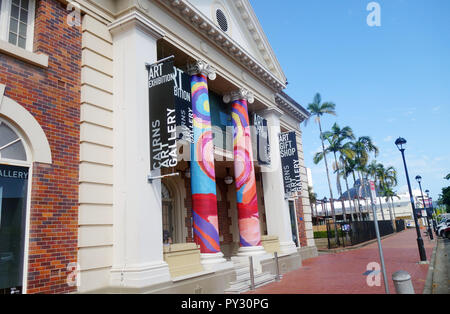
187 173
228 179
419 179
401 144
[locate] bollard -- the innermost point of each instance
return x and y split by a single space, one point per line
252 274
402 282
277 267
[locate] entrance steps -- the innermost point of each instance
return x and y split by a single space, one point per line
243 283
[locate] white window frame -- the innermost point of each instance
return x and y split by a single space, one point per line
5 16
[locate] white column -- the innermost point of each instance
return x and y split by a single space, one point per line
276 206
138 249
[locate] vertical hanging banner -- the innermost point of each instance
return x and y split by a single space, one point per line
183 105
262 140
163 124
290 163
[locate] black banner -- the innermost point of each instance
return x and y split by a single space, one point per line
163 124
183 105
262 139
290 163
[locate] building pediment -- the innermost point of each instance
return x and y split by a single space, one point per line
232 26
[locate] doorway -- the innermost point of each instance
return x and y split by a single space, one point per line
293 222
168 217
13 200
14 177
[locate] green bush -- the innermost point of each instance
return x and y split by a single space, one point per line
323 234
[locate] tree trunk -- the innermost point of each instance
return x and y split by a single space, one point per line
381 205
329 184
357 198
390 214
338 185
348 196
393 207
361 179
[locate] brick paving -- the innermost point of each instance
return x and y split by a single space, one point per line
343 273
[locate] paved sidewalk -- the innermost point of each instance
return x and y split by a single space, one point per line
441 269
343 273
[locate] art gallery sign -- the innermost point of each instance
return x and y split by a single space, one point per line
290 163
170 111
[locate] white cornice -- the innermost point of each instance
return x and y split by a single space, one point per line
138 19
205 26
291 108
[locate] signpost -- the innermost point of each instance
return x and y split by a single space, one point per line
290 163
377 231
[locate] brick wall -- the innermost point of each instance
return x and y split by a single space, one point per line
52 96
301 222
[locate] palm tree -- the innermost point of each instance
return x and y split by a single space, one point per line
350 168
388 179
363 146
447 177
382 176
317 110
345 171
336 137
389 194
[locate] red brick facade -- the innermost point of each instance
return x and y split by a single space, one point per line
301 222
52 96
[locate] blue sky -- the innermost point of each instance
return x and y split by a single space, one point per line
386 82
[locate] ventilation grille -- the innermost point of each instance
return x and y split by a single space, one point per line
222 20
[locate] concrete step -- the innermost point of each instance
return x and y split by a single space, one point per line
243 283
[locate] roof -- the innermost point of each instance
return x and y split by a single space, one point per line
290 105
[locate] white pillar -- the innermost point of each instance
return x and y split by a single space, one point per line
276 206
138 244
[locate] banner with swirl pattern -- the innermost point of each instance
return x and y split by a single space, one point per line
203 182
247 202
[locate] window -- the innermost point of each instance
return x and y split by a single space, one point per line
11 145
17 22
222 20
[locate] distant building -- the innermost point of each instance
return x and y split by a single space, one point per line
399 207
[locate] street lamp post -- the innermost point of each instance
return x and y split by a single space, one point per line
434 220
401 142
419 180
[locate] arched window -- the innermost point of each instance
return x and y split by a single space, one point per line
11 144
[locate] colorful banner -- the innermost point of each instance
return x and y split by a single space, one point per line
203 178
290 163
244 172
163 126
